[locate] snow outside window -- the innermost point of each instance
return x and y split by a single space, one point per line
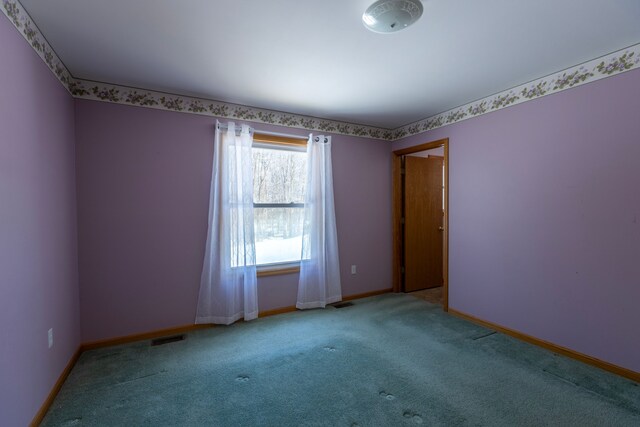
279 176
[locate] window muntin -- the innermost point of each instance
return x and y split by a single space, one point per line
279 177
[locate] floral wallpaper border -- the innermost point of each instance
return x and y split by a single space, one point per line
605 66
24 24
596 69
140 97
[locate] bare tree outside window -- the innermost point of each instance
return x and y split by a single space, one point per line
279 177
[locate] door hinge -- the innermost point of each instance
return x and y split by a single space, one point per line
401 270
402 171
401 220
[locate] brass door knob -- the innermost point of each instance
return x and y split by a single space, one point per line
440 228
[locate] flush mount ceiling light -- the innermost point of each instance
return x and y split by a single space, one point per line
389 16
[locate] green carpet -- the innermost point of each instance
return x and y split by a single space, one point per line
391 360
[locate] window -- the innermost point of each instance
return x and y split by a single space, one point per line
279 176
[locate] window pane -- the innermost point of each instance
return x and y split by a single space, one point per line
278 234
279 176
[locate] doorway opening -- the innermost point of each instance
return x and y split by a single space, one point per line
420 220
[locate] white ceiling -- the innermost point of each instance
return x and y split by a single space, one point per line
316 58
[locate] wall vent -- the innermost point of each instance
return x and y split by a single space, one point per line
342 305
167 340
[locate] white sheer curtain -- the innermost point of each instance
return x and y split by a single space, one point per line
228 285
319 282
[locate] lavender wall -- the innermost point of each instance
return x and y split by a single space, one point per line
38 264
143 188
545 217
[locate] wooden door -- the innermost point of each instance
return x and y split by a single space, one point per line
423 222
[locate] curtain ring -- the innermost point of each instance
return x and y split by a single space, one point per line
326 140
317 139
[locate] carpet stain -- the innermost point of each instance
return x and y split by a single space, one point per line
330 349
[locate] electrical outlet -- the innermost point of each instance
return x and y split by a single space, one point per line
50 337
353 269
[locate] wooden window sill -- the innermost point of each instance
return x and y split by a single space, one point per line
277 271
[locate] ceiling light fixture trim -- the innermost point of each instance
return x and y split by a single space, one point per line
390 16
